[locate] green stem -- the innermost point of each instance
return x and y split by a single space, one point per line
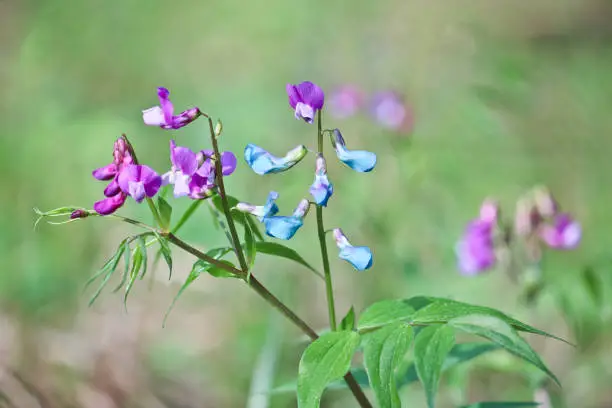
323 243
226 209
155 213
262 291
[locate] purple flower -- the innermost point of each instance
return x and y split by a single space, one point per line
194 174
139 181
358 256
115 197
564 233
476 249
390 111
163 115
321 189
345 101
306 98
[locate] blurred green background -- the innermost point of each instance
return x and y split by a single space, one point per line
506 94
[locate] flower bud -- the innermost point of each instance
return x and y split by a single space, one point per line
545 202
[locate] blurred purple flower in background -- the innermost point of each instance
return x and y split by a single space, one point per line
163 115
306 98
563 233
345 101
391 112
476 249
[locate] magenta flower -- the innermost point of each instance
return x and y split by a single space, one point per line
163 115
390 111
306 98
345 101
115 197
139 181
476 249
564 233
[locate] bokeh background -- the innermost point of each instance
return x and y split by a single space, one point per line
505 94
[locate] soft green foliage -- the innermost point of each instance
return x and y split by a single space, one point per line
326 359
385 312
348 321
166 252
498 331
165 212
383 352
431 347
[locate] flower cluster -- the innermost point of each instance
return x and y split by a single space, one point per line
307 99
192 174
387 108
538 220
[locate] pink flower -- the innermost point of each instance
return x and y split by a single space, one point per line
163 115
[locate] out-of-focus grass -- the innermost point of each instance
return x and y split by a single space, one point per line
505 96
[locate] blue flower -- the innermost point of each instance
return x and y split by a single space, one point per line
321 189
261 211
285 227
263 162
360 257
358 160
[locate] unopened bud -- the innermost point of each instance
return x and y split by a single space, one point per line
218 128
489 210
79 214
526 217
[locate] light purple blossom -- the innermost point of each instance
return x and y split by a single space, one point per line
391 112
306 99
193 174
345 101
139 181
163 115
321 189
358 256
564 232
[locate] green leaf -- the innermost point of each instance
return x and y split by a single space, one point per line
193 275
383 352
500 332
348 321
164 249
385 312
326 359
250 249
126 267
282 251
431 347
254 227
510 404
460 353
440 310
165 212
142 244
222 273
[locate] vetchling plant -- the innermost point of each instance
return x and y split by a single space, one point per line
383 333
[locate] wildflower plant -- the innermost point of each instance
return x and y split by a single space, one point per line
383 333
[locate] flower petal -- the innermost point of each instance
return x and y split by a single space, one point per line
360 257
112 189
105 173
304 111
262 162
565 233
136 190
282 227
183 159
167 108
109 205
294 96
185 118
154 116
181 185
150 179
321 190
261 211
228 163
358 160
311 94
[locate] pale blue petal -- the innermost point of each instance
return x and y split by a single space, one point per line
321 190
263 162
282 227
360 257
358 160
